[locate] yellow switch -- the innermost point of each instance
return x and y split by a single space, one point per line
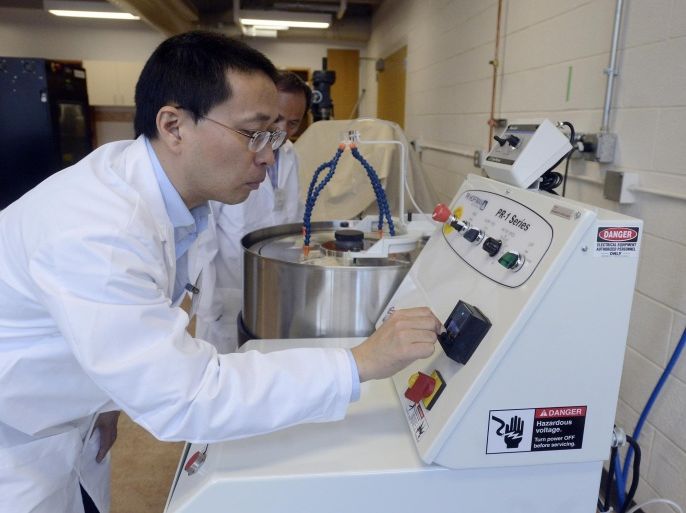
430 400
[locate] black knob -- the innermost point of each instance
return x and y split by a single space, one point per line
458 225
513 140
492 246
348 239
500 140
473 235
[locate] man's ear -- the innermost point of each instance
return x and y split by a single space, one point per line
169 122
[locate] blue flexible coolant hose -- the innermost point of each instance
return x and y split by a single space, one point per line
314 190
621 472
381 200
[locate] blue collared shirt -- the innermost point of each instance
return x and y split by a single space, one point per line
273 171
187 223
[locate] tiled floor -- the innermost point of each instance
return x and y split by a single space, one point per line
142 469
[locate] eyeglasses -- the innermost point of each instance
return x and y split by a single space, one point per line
258 138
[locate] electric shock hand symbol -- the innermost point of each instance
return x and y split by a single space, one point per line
512 433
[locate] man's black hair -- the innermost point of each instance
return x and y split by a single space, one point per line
289 82
189 70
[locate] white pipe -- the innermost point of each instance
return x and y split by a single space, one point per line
445 149
586 179
612 71
403 174
656 192
644 190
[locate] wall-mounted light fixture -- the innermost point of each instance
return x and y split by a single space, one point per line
101 10
283 20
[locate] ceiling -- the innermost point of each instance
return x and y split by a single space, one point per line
351 19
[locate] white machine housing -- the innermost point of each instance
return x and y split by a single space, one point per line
526 150
548 368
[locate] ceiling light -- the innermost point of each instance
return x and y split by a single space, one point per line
259 32
101 10
270 27
94 14
284 19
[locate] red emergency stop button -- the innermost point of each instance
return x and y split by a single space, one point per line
421 386
441 213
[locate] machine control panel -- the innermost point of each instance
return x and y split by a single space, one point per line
525 151
512 140
510 146
497 236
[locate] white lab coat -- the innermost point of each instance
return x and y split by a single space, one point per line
267 206
87 270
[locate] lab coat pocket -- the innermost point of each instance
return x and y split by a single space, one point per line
40 476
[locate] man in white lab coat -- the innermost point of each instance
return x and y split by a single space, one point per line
95 260
276 201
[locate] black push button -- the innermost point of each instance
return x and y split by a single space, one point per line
492 246
473 235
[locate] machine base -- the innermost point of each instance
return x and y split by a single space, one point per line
369 463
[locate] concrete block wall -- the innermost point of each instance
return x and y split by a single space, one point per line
552 57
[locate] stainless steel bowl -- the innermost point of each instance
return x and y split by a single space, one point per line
326 294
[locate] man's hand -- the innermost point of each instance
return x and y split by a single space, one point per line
406 336
106 423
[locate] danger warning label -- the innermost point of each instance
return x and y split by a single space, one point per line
558 428
555 428
617 241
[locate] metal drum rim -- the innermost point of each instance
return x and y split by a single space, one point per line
264 234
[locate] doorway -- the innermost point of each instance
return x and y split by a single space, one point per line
390 99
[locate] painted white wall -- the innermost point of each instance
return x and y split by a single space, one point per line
450 44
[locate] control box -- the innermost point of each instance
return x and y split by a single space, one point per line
525 151
528 276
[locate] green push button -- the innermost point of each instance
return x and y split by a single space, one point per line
510 260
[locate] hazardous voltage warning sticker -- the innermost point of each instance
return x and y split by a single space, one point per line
617 241
555 428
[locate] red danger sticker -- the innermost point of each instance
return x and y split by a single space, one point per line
617 234
617 241
565 411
